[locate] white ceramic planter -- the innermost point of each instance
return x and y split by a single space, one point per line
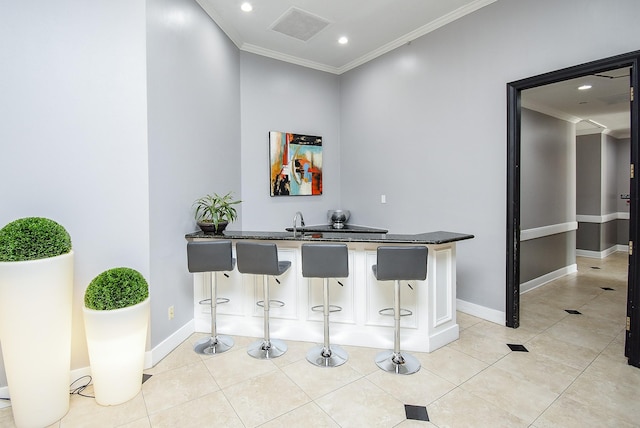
116 340
35 330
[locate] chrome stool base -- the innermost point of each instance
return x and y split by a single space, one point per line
213 345
265 350
399 363
337 356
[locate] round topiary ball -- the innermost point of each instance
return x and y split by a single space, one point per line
33 238
116 288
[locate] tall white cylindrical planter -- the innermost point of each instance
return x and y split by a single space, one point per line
35 331
116 340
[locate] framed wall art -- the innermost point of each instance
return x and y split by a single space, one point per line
296 164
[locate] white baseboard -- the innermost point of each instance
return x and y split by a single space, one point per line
544 279
165 347
604 253
622 248
602 218
498 317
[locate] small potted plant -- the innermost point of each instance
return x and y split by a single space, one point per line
36 295
214 213
116 319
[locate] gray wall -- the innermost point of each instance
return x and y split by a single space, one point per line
608 235
74 106
610 175
193 94
623 160
601 236
589 174
623 155
73 133
547 171
277 96
588 236
603 175
622 228
547 192
547 254
425 124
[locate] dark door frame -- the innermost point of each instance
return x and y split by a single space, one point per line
631 59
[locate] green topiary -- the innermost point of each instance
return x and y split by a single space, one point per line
116 288
33 238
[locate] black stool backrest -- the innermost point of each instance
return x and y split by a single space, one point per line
209 256
259 259
325 261
401 263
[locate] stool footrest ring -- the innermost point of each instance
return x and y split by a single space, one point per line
332 308
219 301
272 303
390 312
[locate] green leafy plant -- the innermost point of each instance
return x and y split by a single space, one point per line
216 209
116 288
33 238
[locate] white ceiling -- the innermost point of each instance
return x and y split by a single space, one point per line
607 102
373 27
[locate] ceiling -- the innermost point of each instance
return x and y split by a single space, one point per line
604 107
306 32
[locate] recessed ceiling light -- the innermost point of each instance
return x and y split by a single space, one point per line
584 87
343 40
246 7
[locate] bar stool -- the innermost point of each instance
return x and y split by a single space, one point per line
262 259
397 263
326 261
211 257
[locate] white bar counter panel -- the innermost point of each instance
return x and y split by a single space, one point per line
432 302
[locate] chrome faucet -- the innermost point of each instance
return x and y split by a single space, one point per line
295 222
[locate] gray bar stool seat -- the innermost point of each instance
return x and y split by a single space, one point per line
262 259
326 261
396 263
211 257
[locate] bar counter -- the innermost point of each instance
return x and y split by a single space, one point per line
432 325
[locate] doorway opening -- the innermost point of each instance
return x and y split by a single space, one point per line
513 241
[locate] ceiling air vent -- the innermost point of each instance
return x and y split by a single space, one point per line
299 24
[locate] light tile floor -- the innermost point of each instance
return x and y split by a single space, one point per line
574 375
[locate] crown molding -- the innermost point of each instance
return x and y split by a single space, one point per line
549 111
221 23
425 29
246 47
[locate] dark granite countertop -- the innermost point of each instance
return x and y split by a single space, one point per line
439 237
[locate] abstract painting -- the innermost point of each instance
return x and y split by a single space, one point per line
296 164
